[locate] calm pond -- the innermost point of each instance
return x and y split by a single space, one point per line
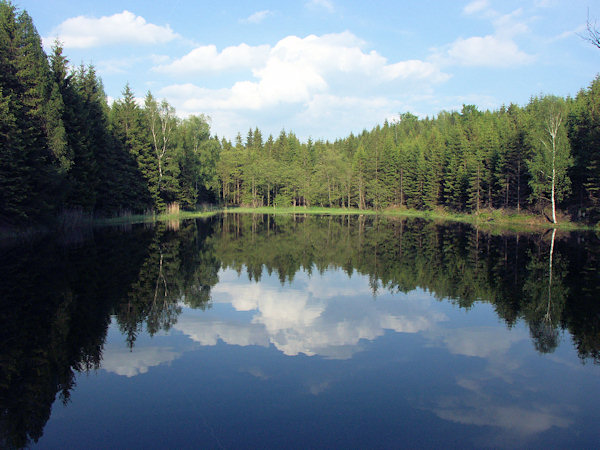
244 331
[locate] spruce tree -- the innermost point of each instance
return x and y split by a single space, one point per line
128 129
29 172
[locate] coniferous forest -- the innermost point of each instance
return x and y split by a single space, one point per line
64 150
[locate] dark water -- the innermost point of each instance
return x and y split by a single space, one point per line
306 332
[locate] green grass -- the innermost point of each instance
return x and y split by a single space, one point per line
487 219
300 210
510 220
497 218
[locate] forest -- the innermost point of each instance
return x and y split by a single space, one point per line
65 152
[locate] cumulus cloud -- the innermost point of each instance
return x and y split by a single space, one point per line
493 394
487 51
131 363
524 421
208 59
294 71
305 318
494 50
208 332
257 17
480 342
121 28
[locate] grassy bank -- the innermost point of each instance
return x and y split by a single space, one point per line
301 210
517 221
487 219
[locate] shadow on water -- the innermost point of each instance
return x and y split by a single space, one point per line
58 296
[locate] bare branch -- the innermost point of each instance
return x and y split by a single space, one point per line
592 34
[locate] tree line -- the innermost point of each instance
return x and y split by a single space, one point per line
64 149
545 154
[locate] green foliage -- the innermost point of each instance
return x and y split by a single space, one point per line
469 161
126 123
551 156
29 170
62 147
584 135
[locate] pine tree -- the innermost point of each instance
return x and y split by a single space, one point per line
360 174
29 171
583 126
127 128
434 153
455 173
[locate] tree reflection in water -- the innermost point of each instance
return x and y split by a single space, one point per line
58 299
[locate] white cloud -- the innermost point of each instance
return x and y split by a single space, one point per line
476 6
495 50
294 71
481 342
208 59
257 17
488 51
321 4
305 318
493 395
524 421
121 28
414 69
508 25
569 33
208 332
128 363
324 109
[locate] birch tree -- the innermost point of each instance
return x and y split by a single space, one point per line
551 156
162 123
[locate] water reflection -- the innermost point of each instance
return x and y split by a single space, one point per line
309 316
328 286
56 303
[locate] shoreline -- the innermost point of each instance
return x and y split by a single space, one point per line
501 220
486 219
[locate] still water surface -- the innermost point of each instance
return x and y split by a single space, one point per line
306 332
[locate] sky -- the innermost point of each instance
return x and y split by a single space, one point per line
325 68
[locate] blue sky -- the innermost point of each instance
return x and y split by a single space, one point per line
325 68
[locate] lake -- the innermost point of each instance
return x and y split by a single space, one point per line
258 331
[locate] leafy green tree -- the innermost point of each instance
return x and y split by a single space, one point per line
192 135
162 123
551 156
545 297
